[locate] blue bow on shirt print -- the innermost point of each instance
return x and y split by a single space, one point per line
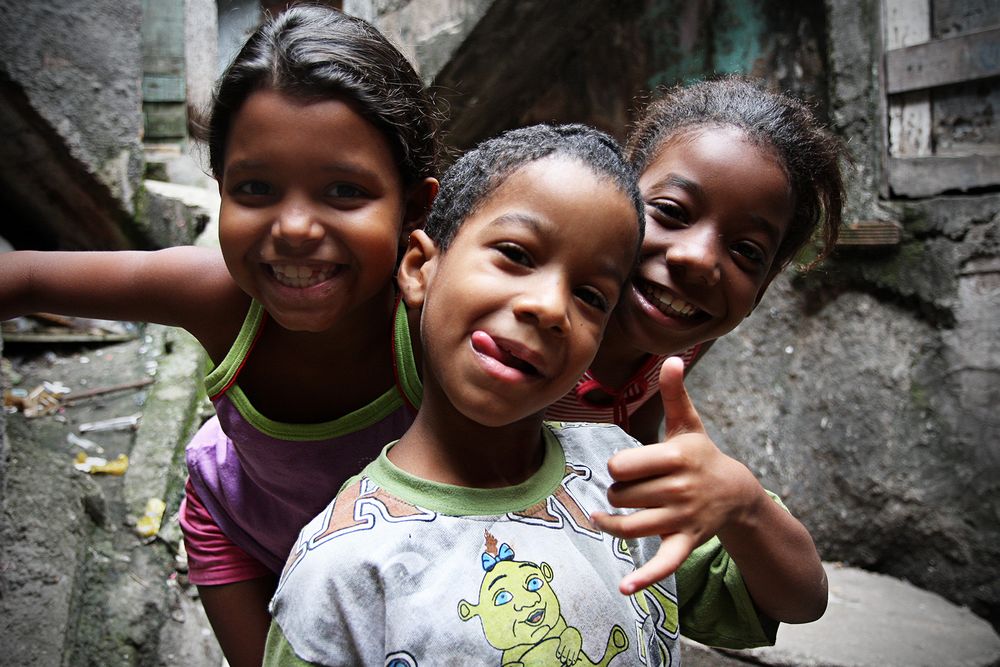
504 553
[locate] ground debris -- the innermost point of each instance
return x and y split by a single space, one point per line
113 424
96 465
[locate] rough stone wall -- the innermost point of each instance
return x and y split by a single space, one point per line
72 82
426 32
876 378
200 53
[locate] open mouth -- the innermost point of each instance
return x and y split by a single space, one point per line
535 617
668 303
301 275
484 344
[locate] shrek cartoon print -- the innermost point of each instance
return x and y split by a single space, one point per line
521 616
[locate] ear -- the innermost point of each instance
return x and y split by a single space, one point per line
466 611
418 204
417 268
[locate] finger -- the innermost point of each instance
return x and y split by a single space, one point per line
657 460
678 410
644 523
661 491
672 552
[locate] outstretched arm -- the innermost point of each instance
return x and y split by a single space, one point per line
186 287
687 490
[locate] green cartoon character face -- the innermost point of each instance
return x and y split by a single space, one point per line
521 616
516 604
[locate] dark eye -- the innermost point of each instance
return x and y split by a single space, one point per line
254 188
593 298
346 191
667 210
751 251
515 253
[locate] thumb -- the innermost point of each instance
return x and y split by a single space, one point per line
678 411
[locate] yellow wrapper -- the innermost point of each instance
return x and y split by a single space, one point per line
148 524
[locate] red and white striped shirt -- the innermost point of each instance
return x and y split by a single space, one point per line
575 406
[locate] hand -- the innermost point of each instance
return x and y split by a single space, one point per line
686 490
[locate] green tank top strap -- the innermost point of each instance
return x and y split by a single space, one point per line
224 375
403 363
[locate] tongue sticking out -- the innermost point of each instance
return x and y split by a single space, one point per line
484 344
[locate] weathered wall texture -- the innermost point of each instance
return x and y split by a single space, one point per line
866 393
905 368
70 101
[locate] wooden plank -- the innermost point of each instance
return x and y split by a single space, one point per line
928 176
908 22
163 88
940 62
164 120
870 233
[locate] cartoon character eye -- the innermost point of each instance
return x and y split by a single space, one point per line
534 584
502 598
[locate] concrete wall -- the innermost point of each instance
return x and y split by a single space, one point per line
71 107
201 52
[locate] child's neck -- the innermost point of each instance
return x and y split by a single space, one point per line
446 447
617 359
296 376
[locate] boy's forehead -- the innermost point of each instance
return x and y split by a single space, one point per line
562 199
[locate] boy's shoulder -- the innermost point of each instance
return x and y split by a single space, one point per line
591 440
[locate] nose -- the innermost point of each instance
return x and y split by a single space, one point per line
527 600
296 225
545 303
696 252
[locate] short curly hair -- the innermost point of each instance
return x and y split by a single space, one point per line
479 172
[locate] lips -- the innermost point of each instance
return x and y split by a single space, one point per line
303 275
507 354
668 303
535 617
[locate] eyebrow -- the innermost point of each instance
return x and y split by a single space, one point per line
604 262
337 167
675 180
495 580
517 219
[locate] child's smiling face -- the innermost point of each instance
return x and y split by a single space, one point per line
312 207
717 207
515 309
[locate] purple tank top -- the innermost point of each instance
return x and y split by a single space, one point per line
263 480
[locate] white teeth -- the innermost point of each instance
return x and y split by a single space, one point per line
299 275
666 302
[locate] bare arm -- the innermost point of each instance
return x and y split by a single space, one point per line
687 490
185 287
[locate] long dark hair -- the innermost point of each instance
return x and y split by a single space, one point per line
316 53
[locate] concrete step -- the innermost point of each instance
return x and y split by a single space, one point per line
872 621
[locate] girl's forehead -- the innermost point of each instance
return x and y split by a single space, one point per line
731 145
